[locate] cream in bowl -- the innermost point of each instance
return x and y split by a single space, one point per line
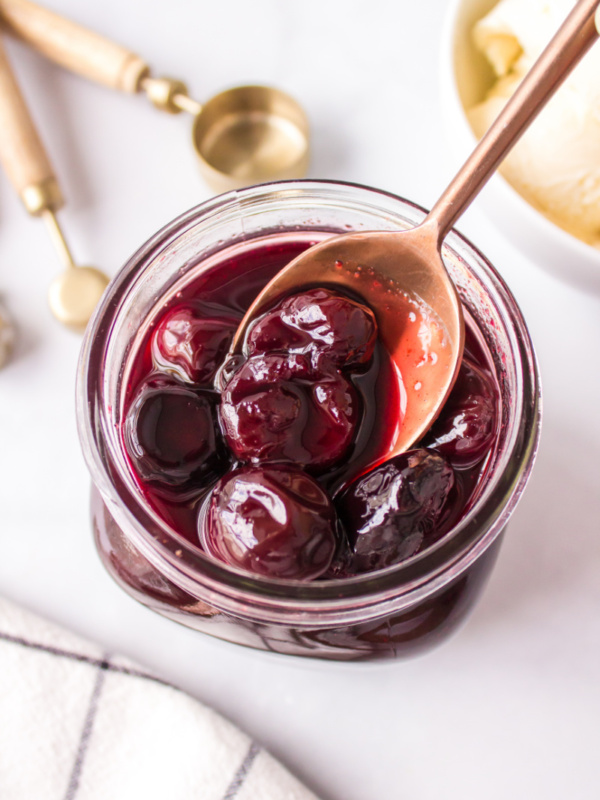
549 197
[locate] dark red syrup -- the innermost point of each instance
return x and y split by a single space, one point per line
306 411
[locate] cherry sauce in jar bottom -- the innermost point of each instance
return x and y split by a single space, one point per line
370 595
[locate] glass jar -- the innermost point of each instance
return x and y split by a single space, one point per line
394 612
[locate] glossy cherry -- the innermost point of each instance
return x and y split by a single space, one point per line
466 429
395 510
320 322
171 434
277 407
273 521
191 344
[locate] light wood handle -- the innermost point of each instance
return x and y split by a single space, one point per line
74 47
22 153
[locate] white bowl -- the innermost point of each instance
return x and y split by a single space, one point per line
466 76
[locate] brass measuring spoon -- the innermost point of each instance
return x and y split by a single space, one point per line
390 269
249 134
73 295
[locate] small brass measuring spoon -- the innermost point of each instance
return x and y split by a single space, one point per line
74 294
245 135
410 261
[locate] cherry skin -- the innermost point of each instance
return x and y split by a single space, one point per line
171 434
396 510
466 428
273 521
277 407
192 345
320 322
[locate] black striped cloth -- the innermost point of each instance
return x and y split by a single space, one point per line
79 724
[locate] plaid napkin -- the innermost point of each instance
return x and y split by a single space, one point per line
79 724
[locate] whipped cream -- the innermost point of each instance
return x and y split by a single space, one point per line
556 164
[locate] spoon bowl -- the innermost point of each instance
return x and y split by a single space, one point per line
250 134
418 311
74 294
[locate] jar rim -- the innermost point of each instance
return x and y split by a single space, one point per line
186 564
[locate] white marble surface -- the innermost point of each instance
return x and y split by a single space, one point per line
509 707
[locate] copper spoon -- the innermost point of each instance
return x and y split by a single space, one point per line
75 292
399 273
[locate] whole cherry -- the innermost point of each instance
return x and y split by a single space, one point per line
467 426
171 434
191 344
277 407
323 323
273 521
396 509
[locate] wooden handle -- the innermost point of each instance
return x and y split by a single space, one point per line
22 153
74 47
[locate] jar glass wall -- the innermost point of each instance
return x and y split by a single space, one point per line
396 611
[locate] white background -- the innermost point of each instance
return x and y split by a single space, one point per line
507 708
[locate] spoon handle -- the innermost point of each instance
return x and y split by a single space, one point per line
91 55
74 47
22 153
573 39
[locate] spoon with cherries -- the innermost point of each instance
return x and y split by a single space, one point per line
401 274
